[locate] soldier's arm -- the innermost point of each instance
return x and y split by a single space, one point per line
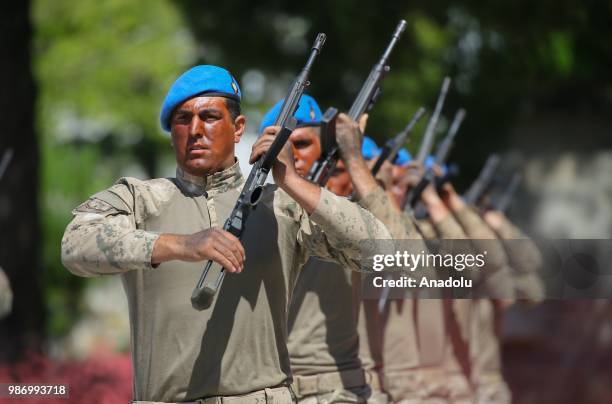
523 255
494 278
496 273
102 238
400 225
336 229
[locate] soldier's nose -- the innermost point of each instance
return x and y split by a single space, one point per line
197 126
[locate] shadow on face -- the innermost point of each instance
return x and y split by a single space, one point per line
306 145
340 182
204 134
398 186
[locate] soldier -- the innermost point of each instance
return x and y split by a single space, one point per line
442 373
6 295
410 342
485 352
323 340
157 234
523 256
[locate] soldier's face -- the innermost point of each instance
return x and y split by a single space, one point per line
204 134
306 148
398 188
340 182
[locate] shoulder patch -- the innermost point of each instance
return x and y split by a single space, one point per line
94 205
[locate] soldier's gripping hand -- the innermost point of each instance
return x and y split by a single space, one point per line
304 192
384 177
451 198
348 137
284 167
213 244
414 173
494 219
435 207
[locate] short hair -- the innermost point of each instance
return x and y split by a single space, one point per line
233 106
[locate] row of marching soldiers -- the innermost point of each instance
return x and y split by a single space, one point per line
408 350
288 322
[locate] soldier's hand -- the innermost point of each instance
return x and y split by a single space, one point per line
451 198
363 122
436 208
284 166
217 245
494 219
348 137
414 173
385 175
430 196
446 191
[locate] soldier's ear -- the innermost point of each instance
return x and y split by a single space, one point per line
240 125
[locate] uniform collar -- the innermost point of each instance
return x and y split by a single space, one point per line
219 182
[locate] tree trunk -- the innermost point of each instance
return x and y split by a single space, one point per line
19 218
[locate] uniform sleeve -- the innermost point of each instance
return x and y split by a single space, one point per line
525 259
449 228
400 226
102 237
342 231
522 251
495 277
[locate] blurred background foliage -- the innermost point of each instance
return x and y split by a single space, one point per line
102 69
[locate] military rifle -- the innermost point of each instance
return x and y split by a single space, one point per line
427 142
212 277
369 93
440 158
451 172
483 181
392 146
6 160
504 200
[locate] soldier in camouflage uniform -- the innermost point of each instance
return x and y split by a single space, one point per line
372 325
442 324
524 256
156 234
486 374
323 341
418 350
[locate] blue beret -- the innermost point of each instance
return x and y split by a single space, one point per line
402 157
369 148
199 80
308 113
429 161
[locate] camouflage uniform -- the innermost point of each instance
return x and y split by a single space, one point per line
387 342
443 335
485 348
6 295
323 339
524 259
238 345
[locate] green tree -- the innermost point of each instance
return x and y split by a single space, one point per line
103 69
